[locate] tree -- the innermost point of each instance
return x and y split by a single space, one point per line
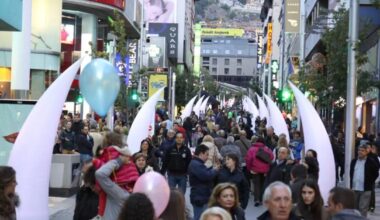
186 87
209 83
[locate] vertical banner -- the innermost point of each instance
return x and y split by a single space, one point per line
269 43
259 50
292 16
159 11
157 52
156 82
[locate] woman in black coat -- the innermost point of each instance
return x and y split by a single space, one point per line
231 173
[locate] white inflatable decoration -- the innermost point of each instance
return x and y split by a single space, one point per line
32 152
188 108
316 138
277 120
197 106
253 109
142 122
263 111
203 107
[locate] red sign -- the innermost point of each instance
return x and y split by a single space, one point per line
117 3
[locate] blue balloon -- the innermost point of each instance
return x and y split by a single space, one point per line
99 84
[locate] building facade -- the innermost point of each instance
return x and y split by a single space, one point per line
230 60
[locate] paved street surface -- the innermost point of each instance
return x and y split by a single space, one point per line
63 208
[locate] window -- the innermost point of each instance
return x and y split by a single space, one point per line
213 71
206 58
214 61
238 71
226 71
227 51
226 61
214 51
207 51
206 67
239 62
239 52
228 41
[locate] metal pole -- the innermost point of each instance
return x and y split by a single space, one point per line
302 47
173 97
351 90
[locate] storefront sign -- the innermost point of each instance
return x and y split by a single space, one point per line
292 16
269 43
117 3
170 32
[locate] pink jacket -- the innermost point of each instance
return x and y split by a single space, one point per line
254 164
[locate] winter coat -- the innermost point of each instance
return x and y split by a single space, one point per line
296 147
310 216
351 214
244 144
176 161
85 144
278 172
201 181
220 142
214 157
371 172
68 140
166 144
236 177
86 205
253 163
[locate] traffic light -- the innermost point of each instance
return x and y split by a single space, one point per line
134 95
79 98
286 95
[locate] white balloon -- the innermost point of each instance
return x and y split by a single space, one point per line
140 126
316 138
277 120
32 152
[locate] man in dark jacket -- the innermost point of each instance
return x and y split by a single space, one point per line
278 200
280 169
77 124
176 162
201 180
85 143
67 138
364 170
341 205
271 138
188 126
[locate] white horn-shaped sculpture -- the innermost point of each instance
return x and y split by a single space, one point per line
197 106
188 108
277 120
204 105
33 150
316 138
140 126
253 109
263 111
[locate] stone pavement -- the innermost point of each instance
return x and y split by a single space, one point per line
63 208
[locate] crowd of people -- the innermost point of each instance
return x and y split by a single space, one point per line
224 156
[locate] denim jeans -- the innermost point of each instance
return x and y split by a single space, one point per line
181 181
85 158
198 210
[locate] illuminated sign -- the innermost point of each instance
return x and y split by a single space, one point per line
222 32
156 82
269 43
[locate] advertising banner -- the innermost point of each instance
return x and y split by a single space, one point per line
230 32
12 117
170 32
160 11
259 50
156 82
292 16
156 52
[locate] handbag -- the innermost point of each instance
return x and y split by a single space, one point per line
263 156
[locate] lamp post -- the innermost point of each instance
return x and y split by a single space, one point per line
351 90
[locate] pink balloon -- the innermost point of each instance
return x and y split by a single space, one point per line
154 185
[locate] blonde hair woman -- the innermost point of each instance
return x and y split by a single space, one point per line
215 213
226 196
214 156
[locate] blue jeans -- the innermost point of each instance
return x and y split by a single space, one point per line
85 158
198 210
181 181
